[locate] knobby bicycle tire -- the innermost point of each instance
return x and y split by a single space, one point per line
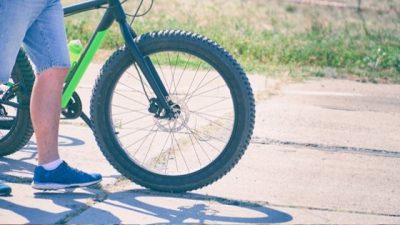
206 55
18 133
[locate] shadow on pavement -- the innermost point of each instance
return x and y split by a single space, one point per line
21 171
67 204
191 207
63 141
98 206
143 204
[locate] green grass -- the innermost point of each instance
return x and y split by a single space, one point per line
280 37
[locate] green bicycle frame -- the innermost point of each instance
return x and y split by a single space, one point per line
78 70
113 13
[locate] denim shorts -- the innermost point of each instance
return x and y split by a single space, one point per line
37 26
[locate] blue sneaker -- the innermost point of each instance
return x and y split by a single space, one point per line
62 177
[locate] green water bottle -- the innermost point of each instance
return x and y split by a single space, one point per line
75 49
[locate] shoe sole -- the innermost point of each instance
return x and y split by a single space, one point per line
5 194
55 186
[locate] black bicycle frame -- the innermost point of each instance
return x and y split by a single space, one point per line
115 12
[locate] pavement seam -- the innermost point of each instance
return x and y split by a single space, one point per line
331 210
101 196
74 214
328 148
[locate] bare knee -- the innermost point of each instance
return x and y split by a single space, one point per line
54 77
55 72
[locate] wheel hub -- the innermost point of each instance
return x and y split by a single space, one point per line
177 121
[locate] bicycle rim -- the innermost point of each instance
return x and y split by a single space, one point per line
183 145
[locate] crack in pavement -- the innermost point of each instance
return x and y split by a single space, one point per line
333 210
329 148
101 196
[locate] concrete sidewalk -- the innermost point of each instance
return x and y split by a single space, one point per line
324 151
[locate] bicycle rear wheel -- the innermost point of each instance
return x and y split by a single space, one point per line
203 143
15 123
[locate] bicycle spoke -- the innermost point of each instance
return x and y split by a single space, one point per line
129 98
162 73
144 140
135 131
131 88
214 116
162 150
201 81
191 84
194 131
172 71
136 119
148 150
180 77
209 90
198 142
180 151
204 85
194 149
137 77
208 106
213 122
220 110
173 151
143 112
138 140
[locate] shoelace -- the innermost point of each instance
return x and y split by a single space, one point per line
74 171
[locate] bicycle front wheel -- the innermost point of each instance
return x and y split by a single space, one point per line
201 145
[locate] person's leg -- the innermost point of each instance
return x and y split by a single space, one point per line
46 45
52 173
45 112
16 17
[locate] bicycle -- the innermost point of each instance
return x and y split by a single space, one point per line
170 110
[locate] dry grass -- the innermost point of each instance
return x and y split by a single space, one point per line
274 35
272 15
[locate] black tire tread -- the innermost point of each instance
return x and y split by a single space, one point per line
201 40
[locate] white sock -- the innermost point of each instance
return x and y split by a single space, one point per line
52 165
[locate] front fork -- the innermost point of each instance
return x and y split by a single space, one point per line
148 70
